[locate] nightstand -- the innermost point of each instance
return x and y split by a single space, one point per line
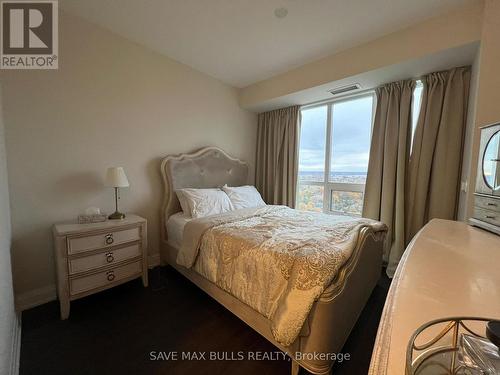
98 256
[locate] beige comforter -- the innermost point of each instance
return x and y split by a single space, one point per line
275 259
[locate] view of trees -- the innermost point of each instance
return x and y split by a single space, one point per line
310 197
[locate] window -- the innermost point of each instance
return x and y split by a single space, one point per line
333 155
415 108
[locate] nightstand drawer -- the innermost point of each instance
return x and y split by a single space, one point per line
102 279
492 217
103 259
79 244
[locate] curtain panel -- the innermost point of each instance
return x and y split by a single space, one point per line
436 160
277 155
385 189
408 186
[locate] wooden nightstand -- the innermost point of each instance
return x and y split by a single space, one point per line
98 256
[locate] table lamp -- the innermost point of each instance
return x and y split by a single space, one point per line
116 178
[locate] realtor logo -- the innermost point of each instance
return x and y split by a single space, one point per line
29 35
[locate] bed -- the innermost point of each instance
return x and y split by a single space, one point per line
331 315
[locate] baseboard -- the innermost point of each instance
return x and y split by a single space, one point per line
153 260
37 297
16 346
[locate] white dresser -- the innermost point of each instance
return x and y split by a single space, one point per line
98 256
486 212
450 269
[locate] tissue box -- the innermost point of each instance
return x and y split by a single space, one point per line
95 218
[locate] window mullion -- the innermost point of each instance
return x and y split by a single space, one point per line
326 190
346 186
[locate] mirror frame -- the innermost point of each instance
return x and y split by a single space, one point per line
497 133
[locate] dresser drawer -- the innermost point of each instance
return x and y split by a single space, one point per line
113 256
487 203
79 244
101 279
492 217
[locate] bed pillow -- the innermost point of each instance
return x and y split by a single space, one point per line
244 196
205 202
183 201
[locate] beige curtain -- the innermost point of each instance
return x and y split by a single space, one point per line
436 160
277 155
390 146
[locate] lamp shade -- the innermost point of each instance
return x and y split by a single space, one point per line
116 177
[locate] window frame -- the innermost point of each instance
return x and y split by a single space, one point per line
330 187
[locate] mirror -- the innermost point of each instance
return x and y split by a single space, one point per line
491 162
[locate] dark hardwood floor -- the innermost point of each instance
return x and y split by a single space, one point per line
116 332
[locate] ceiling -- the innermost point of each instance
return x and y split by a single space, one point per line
241 42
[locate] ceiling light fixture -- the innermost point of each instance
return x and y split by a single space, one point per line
280 12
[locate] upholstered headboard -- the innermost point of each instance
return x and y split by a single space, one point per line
207 168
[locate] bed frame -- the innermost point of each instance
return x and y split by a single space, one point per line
336 311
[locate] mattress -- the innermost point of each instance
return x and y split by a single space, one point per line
175 228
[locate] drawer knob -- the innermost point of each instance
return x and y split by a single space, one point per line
490 217
109 239
492 204
109 257
110 275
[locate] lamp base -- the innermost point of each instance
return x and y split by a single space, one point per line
116 216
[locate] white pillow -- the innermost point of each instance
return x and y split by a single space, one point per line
205 202
244 196
183 201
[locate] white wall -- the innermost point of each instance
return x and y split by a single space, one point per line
8 319
488 92
112 102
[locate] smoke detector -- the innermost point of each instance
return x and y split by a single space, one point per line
280 12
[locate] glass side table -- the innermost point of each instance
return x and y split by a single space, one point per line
452 346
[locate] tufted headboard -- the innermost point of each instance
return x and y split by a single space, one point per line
206 168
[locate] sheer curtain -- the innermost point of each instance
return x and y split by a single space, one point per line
385 189
277 155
